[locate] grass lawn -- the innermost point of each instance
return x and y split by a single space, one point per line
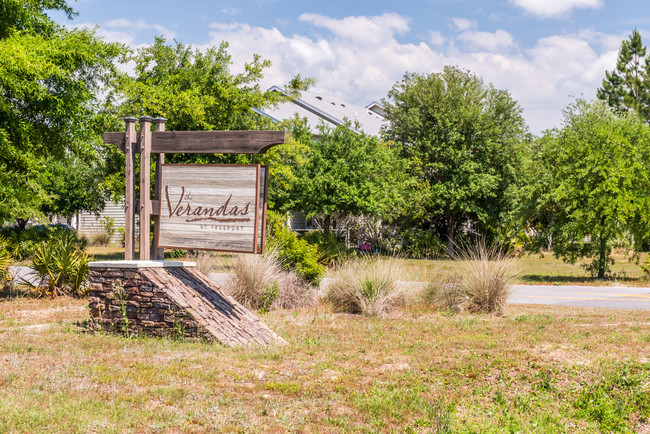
106 253
536 269
536 369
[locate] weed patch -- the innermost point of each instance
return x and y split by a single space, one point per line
622 395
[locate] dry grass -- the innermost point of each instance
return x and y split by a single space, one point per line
99 239
369 286
535 269
484 278
413 371
207 262
260 282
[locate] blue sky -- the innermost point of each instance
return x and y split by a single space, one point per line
544 52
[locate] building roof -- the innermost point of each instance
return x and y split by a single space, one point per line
330 110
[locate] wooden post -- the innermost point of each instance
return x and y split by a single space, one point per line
129 198
158 252
144 139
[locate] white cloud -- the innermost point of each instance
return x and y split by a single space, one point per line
436 38
488 41
347 63
555 8
230 11
107 35
119 22
463 24
352 59
362 30
131 27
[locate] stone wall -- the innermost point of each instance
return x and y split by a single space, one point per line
169 298
124 299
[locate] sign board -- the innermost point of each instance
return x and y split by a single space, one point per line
213 207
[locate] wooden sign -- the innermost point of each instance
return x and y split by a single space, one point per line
213 207
156 143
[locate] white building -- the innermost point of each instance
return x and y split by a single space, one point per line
329 110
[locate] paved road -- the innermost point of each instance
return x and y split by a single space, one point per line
25 273
587 296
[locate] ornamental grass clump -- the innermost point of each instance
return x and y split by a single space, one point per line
485 276
260 282
206 262
372 286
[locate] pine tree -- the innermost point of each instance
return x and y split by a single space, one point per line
628 86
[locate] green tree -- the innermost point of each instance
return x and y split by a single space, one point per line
463 140
72 184
284 161
49 79
593 186
348 174
628 86
194 90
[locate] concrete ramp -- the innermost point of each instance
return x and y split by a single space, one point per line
163 297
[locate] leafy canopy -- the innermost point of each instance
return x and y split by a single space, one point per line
194 90
348 174
462 138
595 191
49 79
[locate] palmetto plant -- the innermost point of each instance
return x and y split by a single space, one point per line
61 266
5 261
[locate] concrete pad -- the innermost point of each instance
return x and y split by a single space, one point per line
141 264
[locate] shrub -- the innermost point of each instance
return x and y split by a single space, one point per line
100 239
483 279
122 232
369 286
108 224
331 248
293 252
645 267
175 253
61 266
260 282
421 243
22 243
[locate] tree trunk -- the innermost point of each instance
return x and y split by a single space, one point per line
450 235
22 224
549 246
602 258
327 224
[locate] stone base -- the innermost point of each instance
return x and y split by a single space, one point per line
169 298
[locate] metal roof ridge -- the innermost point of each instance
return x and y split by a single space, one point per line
315 110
